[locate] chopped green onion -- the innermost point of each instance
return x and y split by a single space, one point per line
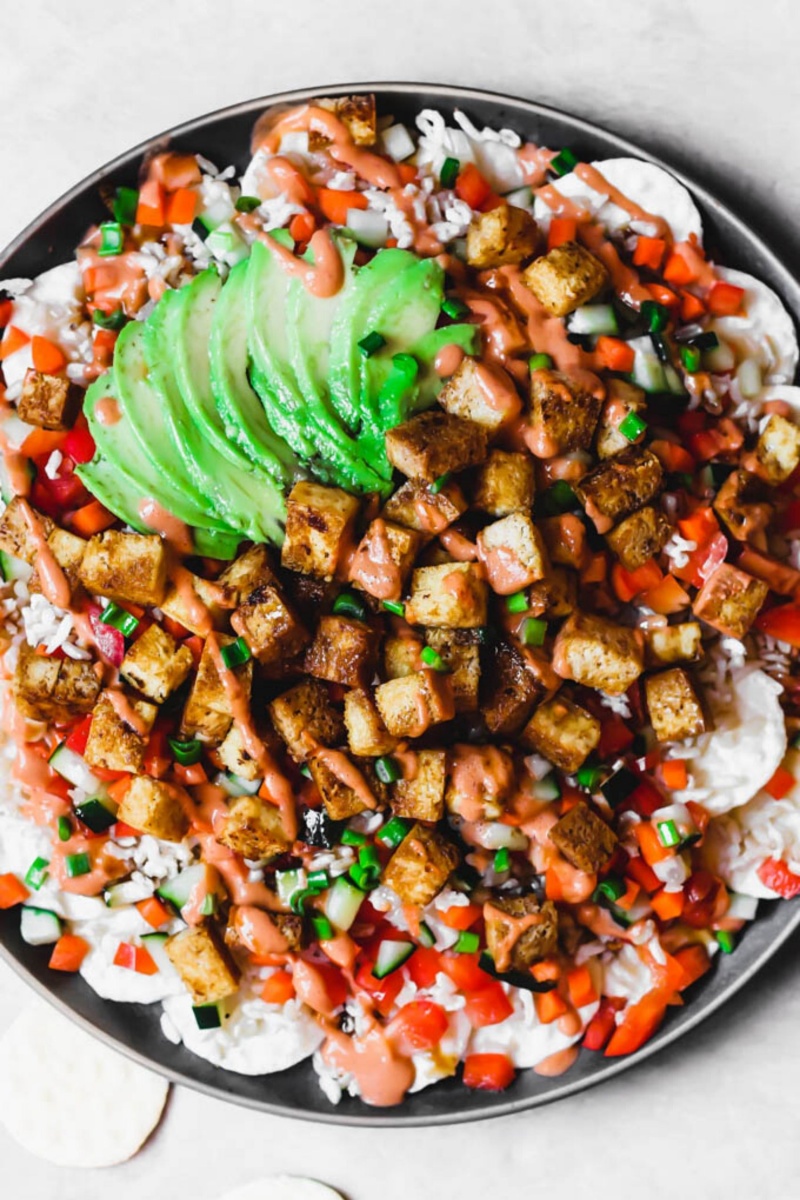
632 426
371 344
119 618
690 357
426 935
589 777
322 927
111 239
318 881
387 769
37 873
351 837
619 786
186 753
347 604
468 942
502 860
533 631
705 341
656 315
305 771
559 498
564 162
125 204
299 898
454 308
365 878
449 172
540 362
518 603
209 905
248 204
725 940
432 658
64 829
661 348
609 889
113 320
440 483
236 653
393 832
77 864
668 833
368 857
394 606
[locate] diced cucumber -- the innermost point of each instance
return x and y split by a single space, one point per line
208 1016
178 890
227 244
721 359
343 902
593 319
368 228
289 883
521 198
119 895
155 944
234 785
673 381
98 813
742 908
648 370
39 926
391 955
75 770
13 568
547 788
426 936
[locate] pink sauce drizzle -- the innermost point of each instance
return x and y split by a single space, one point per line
174 532
347 773
383 1076
558 1063
324 276
126 712
55 584
373 565
448 360
107 411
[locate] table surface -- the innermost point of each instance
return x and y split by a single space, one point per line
715 89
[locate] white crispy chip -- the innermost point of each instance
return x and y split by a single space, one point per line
283 1187
764 331
68 1099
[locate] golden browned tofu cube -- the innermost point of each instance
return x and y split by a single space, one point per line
51 689
130 568
346 789
401 656
156 665
413 703
639 537
564 413
730 600
454 595
48 401
428 513
501 236
504 484
319 524
565 278
367 736
619 486
741 505
305 717
246 573
674 643
513 553
420 866
563 733
674 706
598 653
520 931
204 964
433 444
463 662
232 755
584 838
420 797
207 714
357 114
114 744
623 398
479 393
254 829
508 691
778 449
343 651
154 807
269 626
555 596
216 601
564 539
15 531
68 551
480 782
383 559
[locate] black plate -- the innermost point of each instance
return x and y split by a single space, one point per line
50 239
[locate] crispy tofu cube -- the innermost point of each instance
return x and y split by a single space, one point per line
564 413
154 807
481 394
563 733
740 505
254 829
156 665
454 595
207 714
554 596
508 692
246 573
130 568
730 600
623 398
357 114
319 524
401 656
504 484
114 745
584 838
565 278
673 704
413 703
778 449
383 560
420 866
462 659
428 513
531 929
435 443
599 654
480 782
269 626
68 551
343 651
501 236
15 532
620 485
52 689
216 599
76 690
674 643
565 539
204 964
420 797
304 716
346 789
513 552
48 401
232 754
367 736
639 537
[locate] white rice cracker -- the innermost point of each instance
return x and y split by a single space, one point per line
765 331
283 1187
51 1073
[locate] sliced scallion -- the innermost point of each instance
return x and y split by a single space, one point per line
564 162
393 832
64 827
387 769
502 860
540 362
37 873
655 314
449 172
690 357
467 943
76 865
518 603
186 753
432 658
112 239
668 833
371 343
248 204
236 653
119 618
348 604
632 426
610 888
113 320
725 940
318 881
589 777
351 837
126 201
322 927
533 631
440 483
394 606
454 308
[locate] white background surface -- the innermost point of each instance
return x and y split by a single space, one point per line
715 87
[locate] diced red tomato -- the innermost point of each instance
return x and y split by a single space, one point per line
781 622
109 641
488 1072
424 965
419 1025
672 456
701 892
278 988
135 958
383 992
775 875
465 971
79 443
489 1006
157 756
561 230
153 911
649 252
461 916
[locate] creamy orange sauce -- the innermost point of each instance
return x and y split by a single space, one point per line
55 584
514 929
347 773
498 391
558 1063
107 411
104 868
126 712
481 777
174 532
324 276
458 546
448 360
383 1075
256 930
373 564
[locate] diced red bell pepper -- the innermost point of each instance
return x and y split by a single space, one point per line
782 623
780 784
109 641
382 992
154 912
489 1006
615 736
68 953
649 252
80 736
419 1025
79 443
638 1024
471 187
602 1024
776 875
424 965
135 958
12 891
465 971
157 755
561 230
725 300
488 1072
